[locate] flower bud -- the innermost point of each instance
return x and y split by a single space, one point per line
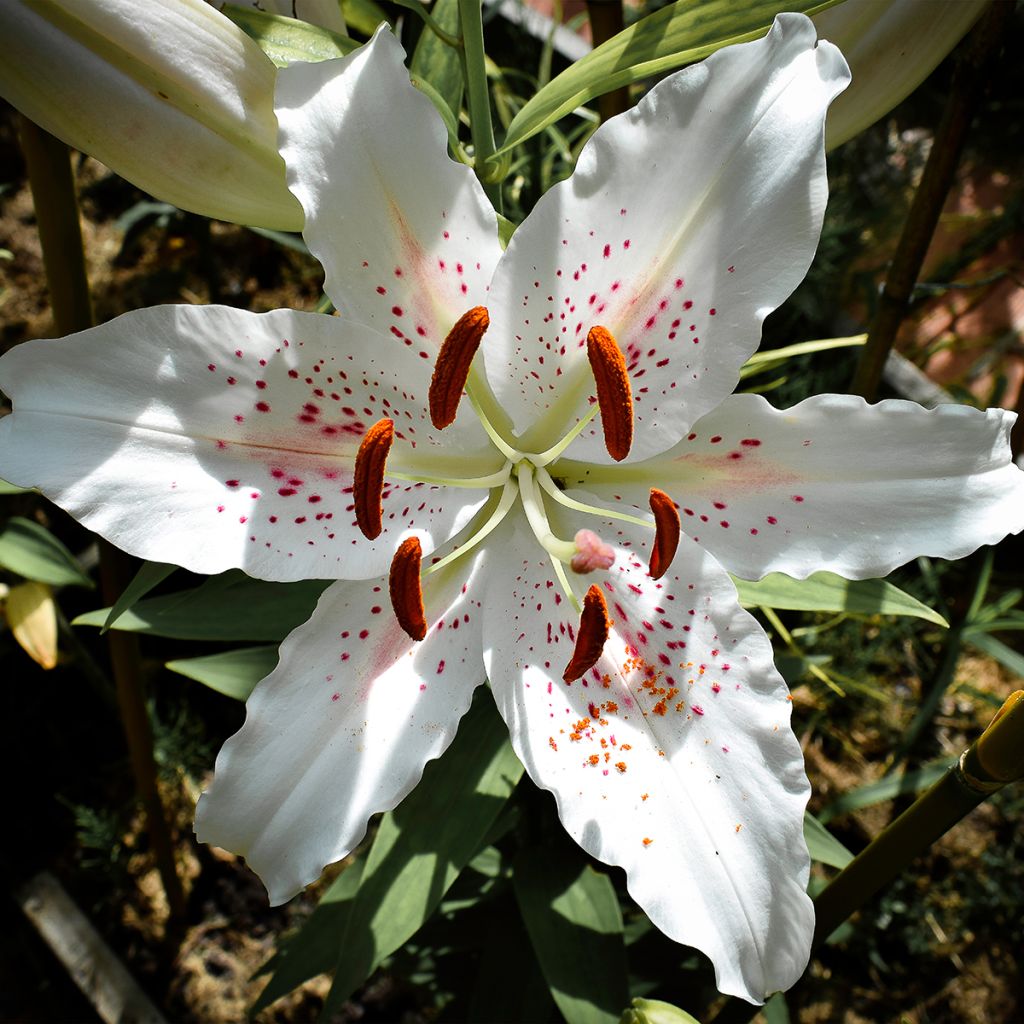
171 95
891 46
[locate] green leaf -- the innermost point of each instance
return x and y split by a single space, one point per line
150 574
285 40
6 488
363 15
1006 656
30 550
423 844
572 915
436 62
230 606
887 788
826 592
823 846
233 673
314 948
678 34
775 1010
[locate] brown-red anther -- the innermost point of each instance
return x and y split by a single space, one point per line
452 367
614 394
368 480
405 589
666 532
595 626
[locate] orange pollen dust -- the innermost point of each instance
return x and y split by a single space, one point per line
406 592
614 394
452 367
368 480
666 532
591 636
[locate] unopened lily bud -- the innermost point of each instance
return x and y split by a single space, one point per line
591 553
171 95
654 1011
891 46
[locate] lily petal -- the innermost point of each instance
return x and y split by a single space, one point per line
406 237
673 758
836 484
172 96
215 438
686 222
342 728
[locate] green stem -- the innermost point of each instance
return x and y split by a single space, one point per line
995 759
418 9
478 97
973 72
53 191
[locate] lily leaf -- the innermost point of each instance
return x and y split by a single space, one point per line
826 592
285 40
574 921
230 606
1005 655
233 673
887 788
424 843
314 948
30 550
6 488
149 575
823 846
681 33
363 15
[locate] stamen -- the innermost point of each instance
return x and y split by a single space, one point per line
368 482
406 592
505 502
614 395
452 366
666 532
549 485
591 636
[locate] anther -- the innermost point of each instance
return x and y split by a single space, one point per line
452 367
406 592
591 636
666 532
591 553
368 481
614 394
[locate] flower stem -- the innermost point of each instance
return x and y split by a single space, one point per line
973 72
993 761
49 170
474 69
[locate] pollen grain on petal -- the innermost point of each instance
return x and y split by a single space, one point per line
614 394
666 532
591 636
452 367
368 482
405 589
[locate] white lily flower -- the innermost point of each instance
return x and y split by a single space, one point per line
892 46
170 94
295 445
